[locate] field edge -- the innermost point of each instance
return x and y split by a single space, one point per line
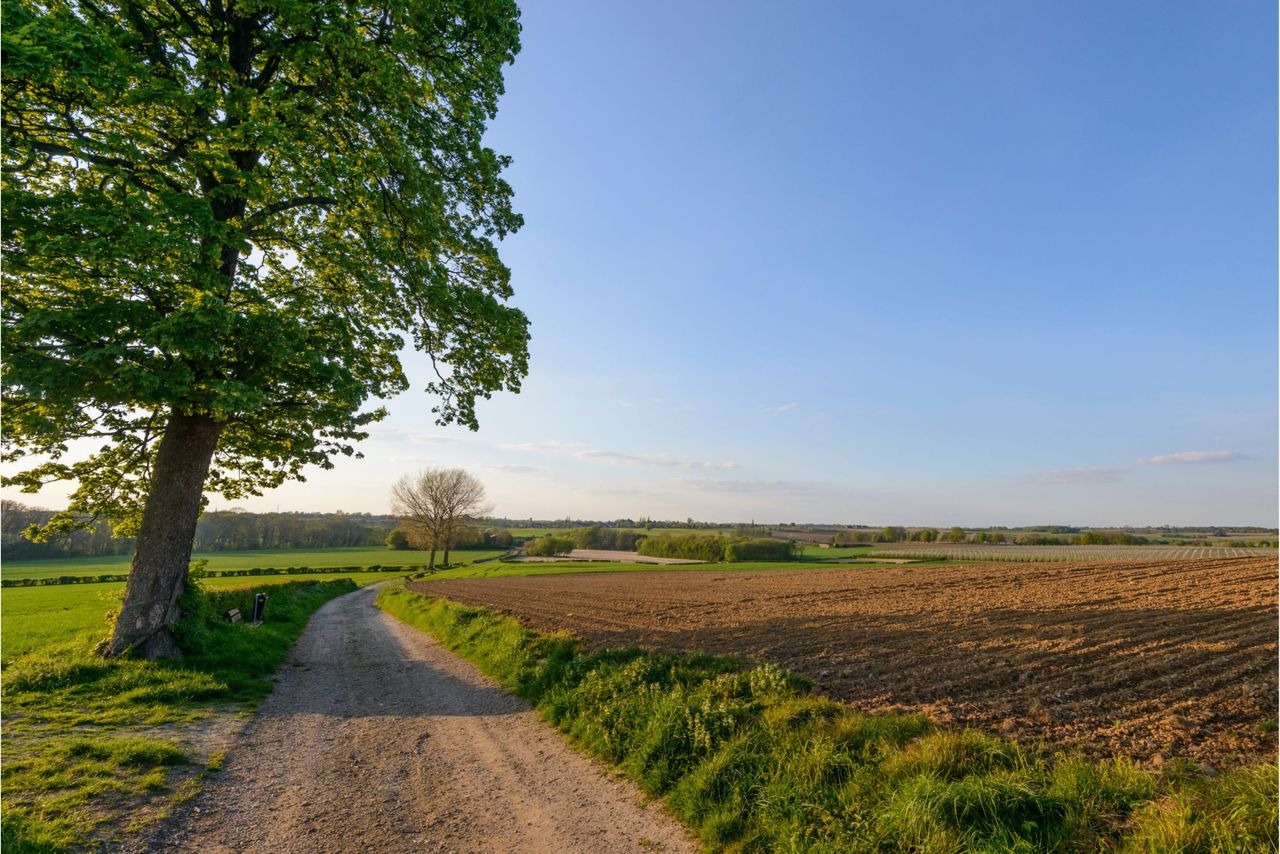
750 759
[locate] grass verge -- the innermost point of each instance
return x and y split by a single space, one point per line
90 741
750 760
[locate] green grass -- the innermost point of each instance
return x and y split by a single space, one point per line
91 743
40 617
752 761
266 558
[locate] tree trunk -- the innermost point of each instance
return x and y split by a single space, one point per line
163 552
431 565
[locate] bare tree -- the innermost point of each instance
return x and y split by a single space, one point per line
435 504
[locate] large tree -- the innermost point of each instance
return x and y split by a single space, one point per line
222 221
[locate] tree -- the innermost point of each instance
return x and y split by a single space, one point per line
893 534
549 546
398 539
221 222
434 504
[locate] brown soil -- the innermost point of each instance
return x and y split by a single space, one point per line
1146 659
377 739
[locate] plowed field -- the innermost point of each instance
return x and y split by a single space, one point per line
1147 659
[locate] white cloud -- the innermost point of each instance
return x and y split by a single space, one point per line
512 468
786 407
1193 457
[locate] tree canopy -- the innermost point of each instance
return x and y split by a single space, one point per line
246 210
222 221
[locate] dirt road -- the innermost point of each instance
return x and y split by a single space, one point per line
377 739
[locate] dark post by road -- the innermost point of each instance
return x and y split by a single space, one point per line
259 605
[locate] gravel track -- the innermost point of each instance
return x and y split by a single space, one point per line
378 739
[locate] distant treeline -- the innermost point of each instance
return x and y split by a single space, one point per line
54 580
716 548
713 548
593 537
596 537
894 534
562 524
225 530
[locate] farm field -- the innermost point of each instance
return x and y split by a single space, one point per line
39 617
266 558
1148 659
1013 552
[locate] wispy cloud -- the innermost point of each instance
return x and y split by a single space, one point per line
1193 457
1085 475
785 407
513 468
395 434
788 488
582 452
548 445
661 460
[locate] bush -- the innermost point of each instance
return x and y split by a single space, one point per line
760 549
715 548
685 546
613 539
549 546
398 540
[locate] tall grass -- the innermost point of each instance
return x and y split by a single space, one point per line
752 761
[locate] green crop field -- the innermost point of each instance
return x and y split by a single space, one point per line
265 558
39 617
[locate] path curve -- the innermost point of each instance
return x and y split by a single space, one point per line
378 739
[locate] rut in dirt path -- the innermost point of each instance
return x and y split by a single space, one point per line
378 739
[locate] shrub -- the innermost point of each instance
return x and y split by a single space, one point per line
549 546
685 546
760 549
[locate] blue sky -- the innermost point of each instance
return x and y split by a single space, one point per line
917 263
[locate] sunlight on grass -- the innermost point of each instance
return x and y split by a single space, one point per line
72 765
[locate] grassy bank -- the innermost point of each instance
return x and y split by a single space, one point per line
750 760
95 747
